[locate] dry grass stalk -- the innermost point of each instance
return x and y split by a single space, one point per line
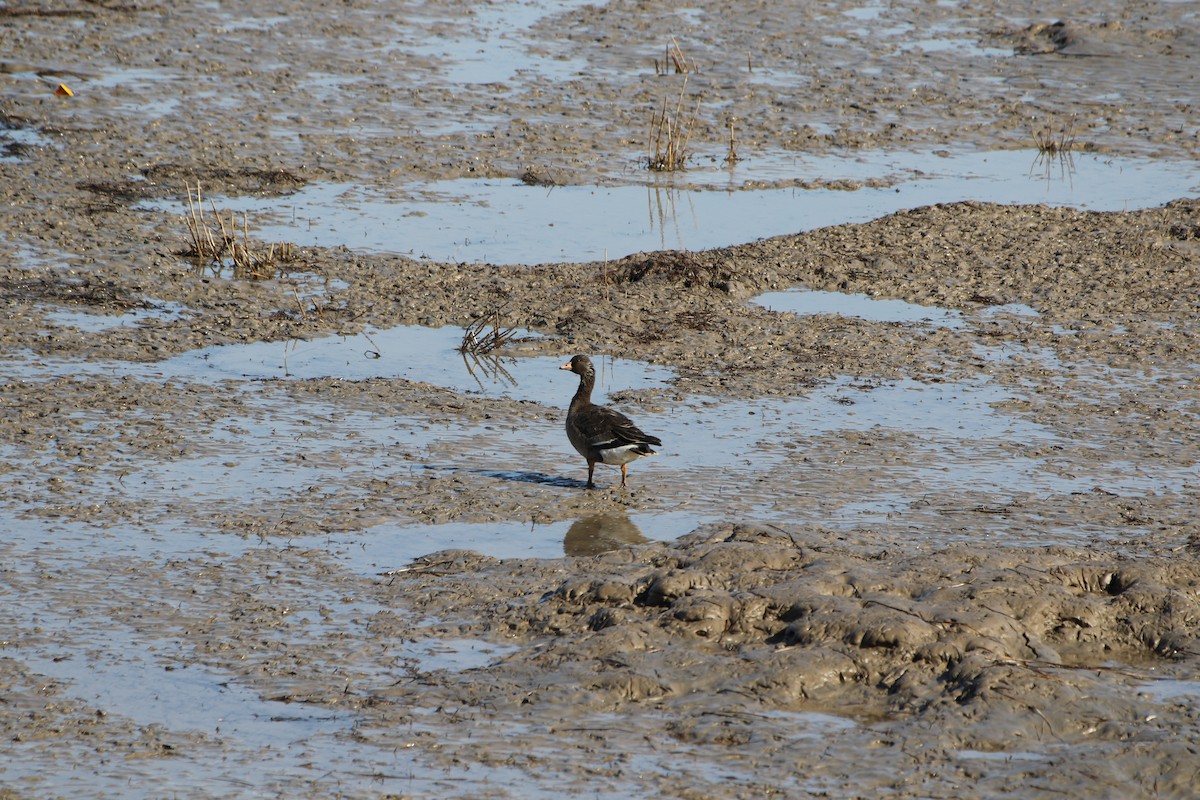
732 156
669 136
217 245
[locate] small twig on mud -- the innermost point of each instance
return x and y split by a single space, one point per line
479 345
1054 143
682 67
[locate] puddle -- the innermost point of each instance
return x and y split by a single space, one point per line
662 758
456 655
805 302
428 355
955 410
1011 309
505 221
72 544
15 141
1171 691
121 675
812 724
94 323
860 306
416 353
132 672
1003 755
385 548
489 45
958 439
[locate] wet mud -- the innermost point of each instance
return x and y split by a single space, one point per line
857 610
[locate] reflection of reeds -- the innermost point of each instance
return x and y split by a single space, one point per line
216 245
669 136
663 214
490 367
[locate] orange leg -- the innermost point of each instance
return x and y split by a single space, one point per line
623 475
591 469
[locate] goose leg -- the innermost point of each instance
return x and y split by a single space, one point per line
591 469
623 466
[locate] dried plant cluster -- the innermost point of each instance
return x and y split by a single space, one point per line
669 136
480 341
217 246
1055 146
486 334
1053 143
674 60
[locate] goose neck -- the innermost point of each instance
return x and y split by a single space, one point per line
583 395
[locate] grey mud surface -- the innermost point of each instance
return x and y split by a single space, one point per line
1030 643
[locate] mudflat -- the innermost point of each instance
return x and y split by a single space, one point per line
183 613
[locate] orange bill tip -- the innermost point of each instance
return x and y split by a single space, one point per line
64 91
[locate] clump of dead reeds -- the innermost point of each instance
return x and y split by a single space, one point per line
1053 142
669 136
486 334
217 246
1055 145
674 60
481 339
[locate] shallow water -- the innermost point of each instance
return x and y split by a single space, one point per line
416 353
505 221
860 306
1172 691
489 44
15 139
86 321
957 434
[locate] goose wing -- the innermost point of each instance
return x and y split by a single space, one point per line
603 427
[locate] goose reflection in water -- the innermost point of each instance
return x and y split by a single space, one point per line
589 536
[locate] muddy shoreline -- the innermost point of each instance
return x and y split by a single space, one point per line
196 596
